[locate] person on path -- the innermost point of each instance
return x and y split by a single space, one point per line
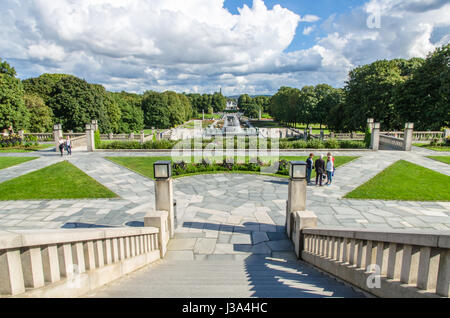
61 146
330 170
309 168
69 146
319 165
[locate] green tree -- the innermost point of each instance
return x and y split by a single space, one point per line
41 116
307 104
12 106
76 102
424 97
131 114
155 108
327 99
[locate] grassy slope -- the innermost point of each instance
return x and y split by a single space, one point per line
58 181
6 162
405 181
144 165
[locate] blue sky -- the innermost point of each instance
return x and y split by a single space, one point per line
320 8
206 45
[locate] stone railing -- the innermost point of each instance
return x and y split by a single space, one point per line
80 141
417 135
121 137
346 136
71 263
391 143
41 137
383 263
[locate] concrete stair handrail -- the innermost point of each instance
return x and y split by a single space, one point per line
71 263
411 264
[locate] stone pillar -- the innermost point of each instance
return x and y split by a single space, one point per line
370 122
310 131
322 134
375 141
164 201
408 137
446 134
90 137
57 133
111 136
260 115
95 125
158 219
21 134
296 201
301 220
203 115
131 136
142 136
332 135
158 136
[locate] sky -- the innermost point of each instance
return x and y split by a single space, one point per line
239 46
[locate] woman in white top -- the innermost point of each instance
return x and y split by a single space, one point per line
69 146
330 169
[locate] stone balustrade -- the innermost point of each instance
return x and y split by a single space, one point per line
78 141
41 137
391 143
70 263
417 135
409 264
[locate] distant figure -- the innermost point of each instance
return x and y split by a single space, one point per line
61 146
330 170
69 146
309 167
11 130
320 170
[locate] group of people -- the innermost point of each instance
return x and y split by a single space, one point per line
65 145
324 170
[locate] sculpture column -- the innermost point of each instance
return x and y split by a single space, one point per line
57 133
90 137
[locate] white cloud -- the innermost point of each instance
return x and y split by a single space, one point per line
198 45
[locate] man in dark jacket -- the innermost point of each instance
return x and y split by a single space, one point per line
309 167
320 170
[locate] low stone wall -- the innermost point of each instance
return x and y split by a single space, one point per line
391 143
406 264
80 141
71 263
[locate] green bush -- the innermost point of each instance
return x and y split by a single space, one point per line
315 144
332 144
97 139
352 144
367 138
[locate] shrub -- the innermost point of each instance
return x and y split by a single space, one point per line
332 144
351 144
97 140
315 144
368 138
299 144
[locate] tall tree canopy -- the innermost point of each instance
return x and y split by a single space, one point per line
12 106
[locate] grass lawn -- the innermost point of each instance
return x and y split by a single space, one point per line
435 148
444 159
23 149
405 181
6 162
58 181
144 165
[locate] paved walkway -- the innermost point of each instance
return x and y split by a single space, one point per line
230 237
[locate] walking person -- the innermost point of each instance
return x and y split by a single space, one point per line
309 168
61 145
330 170
69 146
319 165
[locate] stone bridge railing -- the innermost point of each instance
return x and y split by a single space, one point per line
41 137
383 263
70 263
79 141
391 143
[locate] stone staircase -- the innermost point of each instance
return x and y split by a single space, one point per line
254 276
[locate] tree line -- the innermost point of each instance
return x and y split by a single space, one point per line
36 104
392 92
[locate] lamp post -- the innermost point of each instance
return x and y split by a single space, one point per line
162 171
297 192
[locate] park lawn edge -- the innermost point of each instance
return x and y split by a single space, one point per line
102 192
23 160
360 193
439 159
111 159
